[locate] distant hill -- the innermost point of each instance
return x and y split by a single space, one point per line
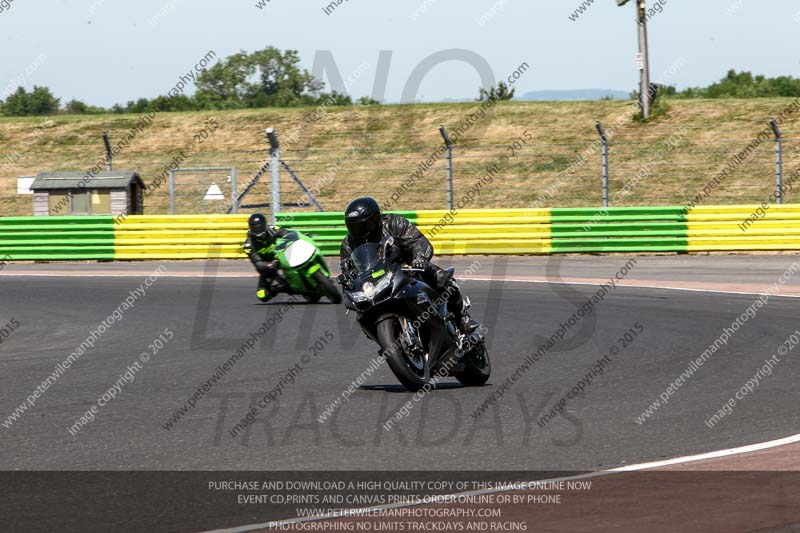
573 94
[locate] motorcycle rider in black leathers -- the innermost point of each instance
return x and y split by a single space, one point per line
365 223
259 248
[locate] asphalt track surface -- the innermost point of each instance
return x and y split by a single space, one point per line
211 309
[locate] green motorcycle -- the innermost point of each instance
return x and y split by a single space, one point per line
303 268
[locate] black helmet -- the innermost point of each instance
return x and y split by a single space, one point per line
363 220
258 226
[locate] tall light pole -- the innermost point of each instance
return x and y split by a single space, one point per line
643 58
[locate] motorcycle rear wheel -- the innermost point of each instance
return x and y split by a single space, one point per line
412 371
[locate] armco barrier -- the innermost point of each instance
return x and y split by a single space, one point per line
620 229
56 238
327 228
511 231
478 231
725 228
180 237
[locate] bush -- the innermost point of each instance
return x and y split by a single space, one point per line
40 101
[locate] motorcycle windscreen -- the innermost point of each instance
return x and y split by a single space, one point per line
299 252
366 257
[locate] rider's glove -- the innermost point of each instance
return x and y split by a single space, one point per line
419 263
347 267
265 267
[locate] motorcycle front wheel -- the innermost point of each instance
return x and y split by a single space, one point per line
327 287
412 370
477 367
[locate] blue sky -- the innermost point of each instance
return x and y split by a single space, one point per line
109 51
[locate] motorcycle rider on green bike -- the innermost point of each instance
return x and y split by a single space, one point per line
259 248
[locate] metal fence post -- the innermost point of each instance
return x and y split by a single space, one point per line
171 191
778 161
275 173
604 141
109 152
449 145
234 191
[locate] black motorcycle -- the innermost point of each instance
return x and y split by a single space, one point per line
410 320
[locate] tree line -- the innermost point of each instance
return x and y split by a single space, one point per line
271 78
264 78
737 85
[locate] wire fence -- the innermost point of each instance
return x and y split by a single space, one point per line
656 165
669 170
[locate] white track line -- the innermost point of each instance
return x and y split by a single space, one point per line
631 285
445 498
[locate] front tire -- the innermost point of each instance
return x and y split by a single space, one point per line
327 287
413 372
477 367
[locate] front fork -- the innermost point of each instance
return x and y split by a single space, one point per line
410 339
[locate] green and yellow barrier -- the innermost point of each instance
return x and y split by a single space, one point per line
619 229
56 238
490 232
180 237
470 231
726 228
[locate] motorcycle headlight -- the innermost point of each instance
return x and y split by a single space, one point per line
358 296
369 290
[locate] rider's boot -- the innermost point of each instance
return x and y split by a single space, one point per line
270 286
265 295
468 326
